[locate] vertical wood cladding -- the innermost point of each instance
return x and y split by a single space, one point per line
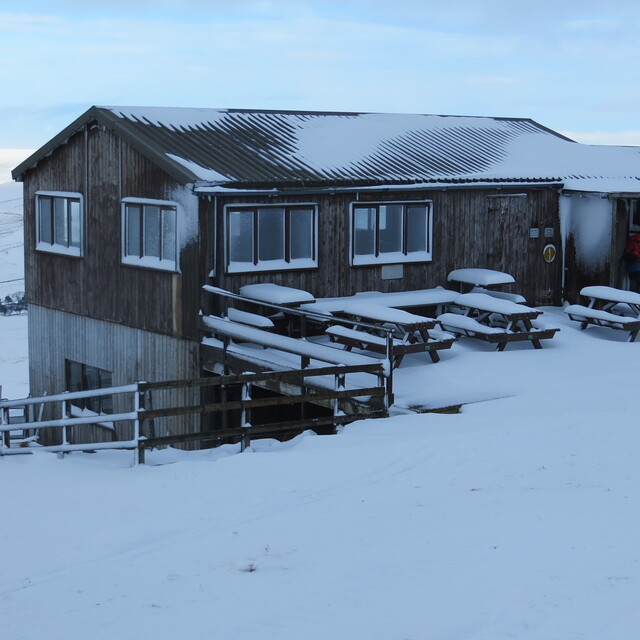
485 228
129 354
104 169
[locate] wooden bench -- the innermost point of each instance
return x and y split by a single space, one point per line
351 338
462 325
597 317
250 319
306 350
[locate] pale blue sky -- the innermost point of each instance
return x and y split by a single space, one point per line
572 66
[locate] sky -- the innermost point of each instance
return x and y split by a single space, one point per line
570 65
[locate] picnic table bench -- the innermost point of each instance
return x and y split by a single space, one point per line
495 321
608 307
410 333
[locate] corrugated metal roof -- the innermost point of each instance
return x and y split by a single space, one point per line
254 148
280 148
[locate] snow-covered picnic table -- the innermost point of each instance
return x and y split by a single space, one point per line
411 333
480 277
608 307
276 294
494 320
435 297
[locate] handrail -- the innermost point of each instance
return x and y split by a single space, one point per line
139 414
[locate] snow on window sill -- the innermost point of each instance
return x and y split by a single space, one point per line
149 262
392 258
77 412
60 249
271 265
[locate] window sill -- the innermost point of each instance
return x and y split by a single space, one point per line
391 258
74 252
150 263
271 265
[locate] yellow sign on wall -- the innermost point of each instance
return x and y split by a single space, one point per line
549 253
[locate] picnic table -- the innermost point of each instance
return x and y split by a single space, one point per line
436 297
496 321
276 294
608 307
410 333
485 281
480 277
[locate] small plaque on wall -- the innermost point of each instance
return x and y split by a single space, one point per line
392 272
548 232
534 232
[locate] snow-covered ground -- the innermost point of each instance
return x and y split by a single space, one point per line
11 241
516 518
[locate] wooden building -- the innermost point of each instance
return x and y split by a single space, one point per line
130 211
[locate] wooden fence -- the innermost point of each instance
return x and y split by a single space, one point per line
329 385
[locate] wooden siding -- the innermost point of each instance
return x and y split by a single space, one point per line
130 354
104 169
486 228
608 271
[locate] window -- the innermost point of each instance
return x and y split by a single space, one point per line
266 238
59 222
391 232
82 377
150 237
631 207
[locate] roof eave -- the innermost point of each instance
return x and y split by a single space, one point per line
114 124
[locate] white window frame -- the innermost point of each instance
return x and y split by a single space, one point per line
395 257
285 263
57 247
150 262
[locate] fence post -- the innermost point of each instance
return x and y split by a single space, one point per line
245 395
340 382
138 454
5 440
64 426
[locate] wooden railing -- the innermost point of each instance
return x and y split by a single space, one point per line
330 385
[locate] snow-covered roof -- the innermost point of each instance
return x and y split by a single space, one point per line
228 148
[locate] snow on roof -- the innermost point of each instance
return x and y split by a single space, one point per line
222 148
276 147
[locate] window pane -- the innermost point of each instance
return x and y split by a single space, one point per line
92 381
106 402
241 236
152 231
390 228
416 228
301 233
270 234
364 231
74 372
75 222
60 233
132 217
45 230
169 234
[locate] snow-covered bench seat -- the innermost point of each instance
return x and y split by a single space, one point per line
462 325
351 338
600 318
250 319
306 350
501 295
